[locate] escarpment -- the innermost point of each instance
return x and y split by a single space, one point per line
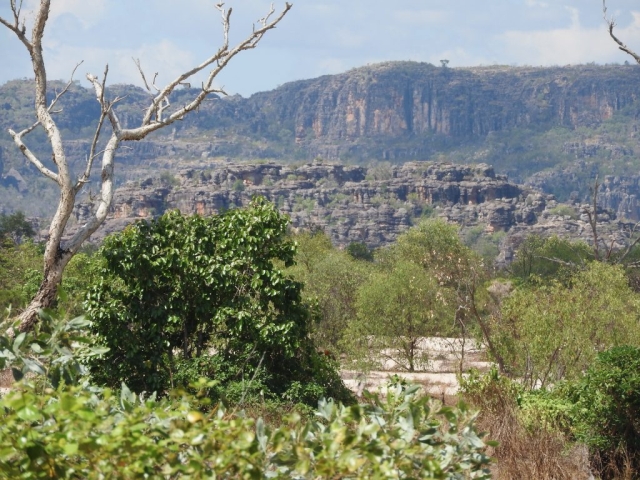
357 204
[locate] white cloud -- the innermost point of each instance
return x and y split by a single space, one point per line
571 45
88 12
421 17
163 57
536 3
350 39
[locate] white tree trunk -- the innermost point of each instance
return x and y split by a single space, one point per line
58 253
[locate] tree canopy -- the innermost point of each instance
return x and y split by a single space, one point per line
189 292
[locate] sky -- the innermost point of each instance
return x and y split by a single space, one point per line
317 37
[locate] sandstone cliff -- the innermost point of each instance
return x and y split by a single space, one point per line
358 204
522 120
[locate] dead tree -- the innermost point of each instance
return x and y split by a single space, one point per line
611 23
158 115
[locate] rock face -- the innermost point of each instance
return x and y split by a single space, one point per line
404 110
622 195
358 204
397 97
393 110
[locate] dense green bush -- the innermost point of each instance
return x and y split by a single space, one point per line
70 429
21 276
546 259
550 332
15 227
76 433
331 279
179 288
606 414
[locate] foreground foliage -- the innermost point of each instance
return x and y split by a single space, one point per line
600 411
606 409
53 424
72 433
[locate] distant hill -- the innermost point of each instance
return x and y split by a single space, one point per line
534 124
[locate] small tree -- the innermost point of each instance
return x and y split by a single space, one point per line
397 309
606 410
158 115
551 332
331 278
15 227
436 246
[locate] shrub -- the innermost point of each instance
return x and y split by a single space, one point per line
527 427
564 211
75 433
360 251
179 288
547 333
238 186
607 409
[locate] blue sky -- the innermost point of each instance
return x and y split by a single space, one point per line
319 36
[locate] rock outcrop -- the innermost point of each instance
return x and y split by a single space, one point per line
393 111
358 204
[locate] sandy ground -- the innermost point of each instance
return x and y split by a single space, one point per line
439 379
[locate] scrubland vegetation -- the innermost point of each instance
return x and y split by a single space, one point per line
211 347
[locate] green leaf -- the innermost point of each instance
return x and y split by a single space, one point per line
17 342
29 413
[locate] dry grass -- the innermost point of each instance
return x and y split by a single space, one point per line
618 467
522 453
525 454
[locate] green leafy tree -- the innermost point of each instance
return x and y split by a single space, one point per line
331 280
396 310
360 251
554 331
437 247
606 409
460 273
312 248
60 245
15 227
180 288
549 258
18 263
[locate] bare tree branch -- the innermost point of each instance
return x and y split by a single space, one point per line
144 79
612 24
631 245
92 151
16 27
58 253
221 58
556 260
17 138
64 90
